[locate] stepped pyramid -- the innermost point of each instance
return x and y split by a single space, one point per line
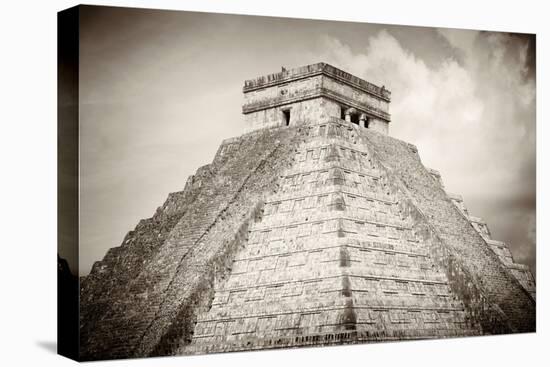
313 228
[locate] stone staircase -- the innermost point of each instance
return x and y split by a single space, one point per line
333 260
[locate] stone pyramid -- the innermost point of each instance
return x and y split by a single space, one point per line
313 228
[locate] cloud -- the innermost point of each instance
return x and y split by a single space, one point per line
471 115
418 92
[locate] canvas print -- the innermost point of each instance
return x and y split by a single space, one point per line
235 183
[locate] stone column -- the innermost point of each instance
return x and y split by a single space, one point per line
348 114
363 120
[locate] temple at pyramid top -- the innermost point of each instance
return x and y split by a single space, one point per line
310 93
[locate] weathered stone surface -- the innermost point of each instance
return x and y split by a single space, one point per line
311 93
167 264
520 271
321 232
500 302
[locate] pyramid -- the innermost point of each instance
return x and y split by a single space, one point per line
313 228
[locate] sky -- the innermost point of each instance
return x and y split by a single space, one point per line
160 90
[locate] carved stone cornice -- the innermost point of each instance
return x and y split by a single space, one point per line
315 93
308 71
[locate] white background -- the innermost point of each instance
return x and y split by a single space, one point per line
28 182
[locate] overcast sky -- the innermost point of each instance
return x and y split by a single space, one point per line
160 90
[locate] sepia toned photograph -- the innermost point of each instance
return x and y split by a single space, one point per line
234 183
